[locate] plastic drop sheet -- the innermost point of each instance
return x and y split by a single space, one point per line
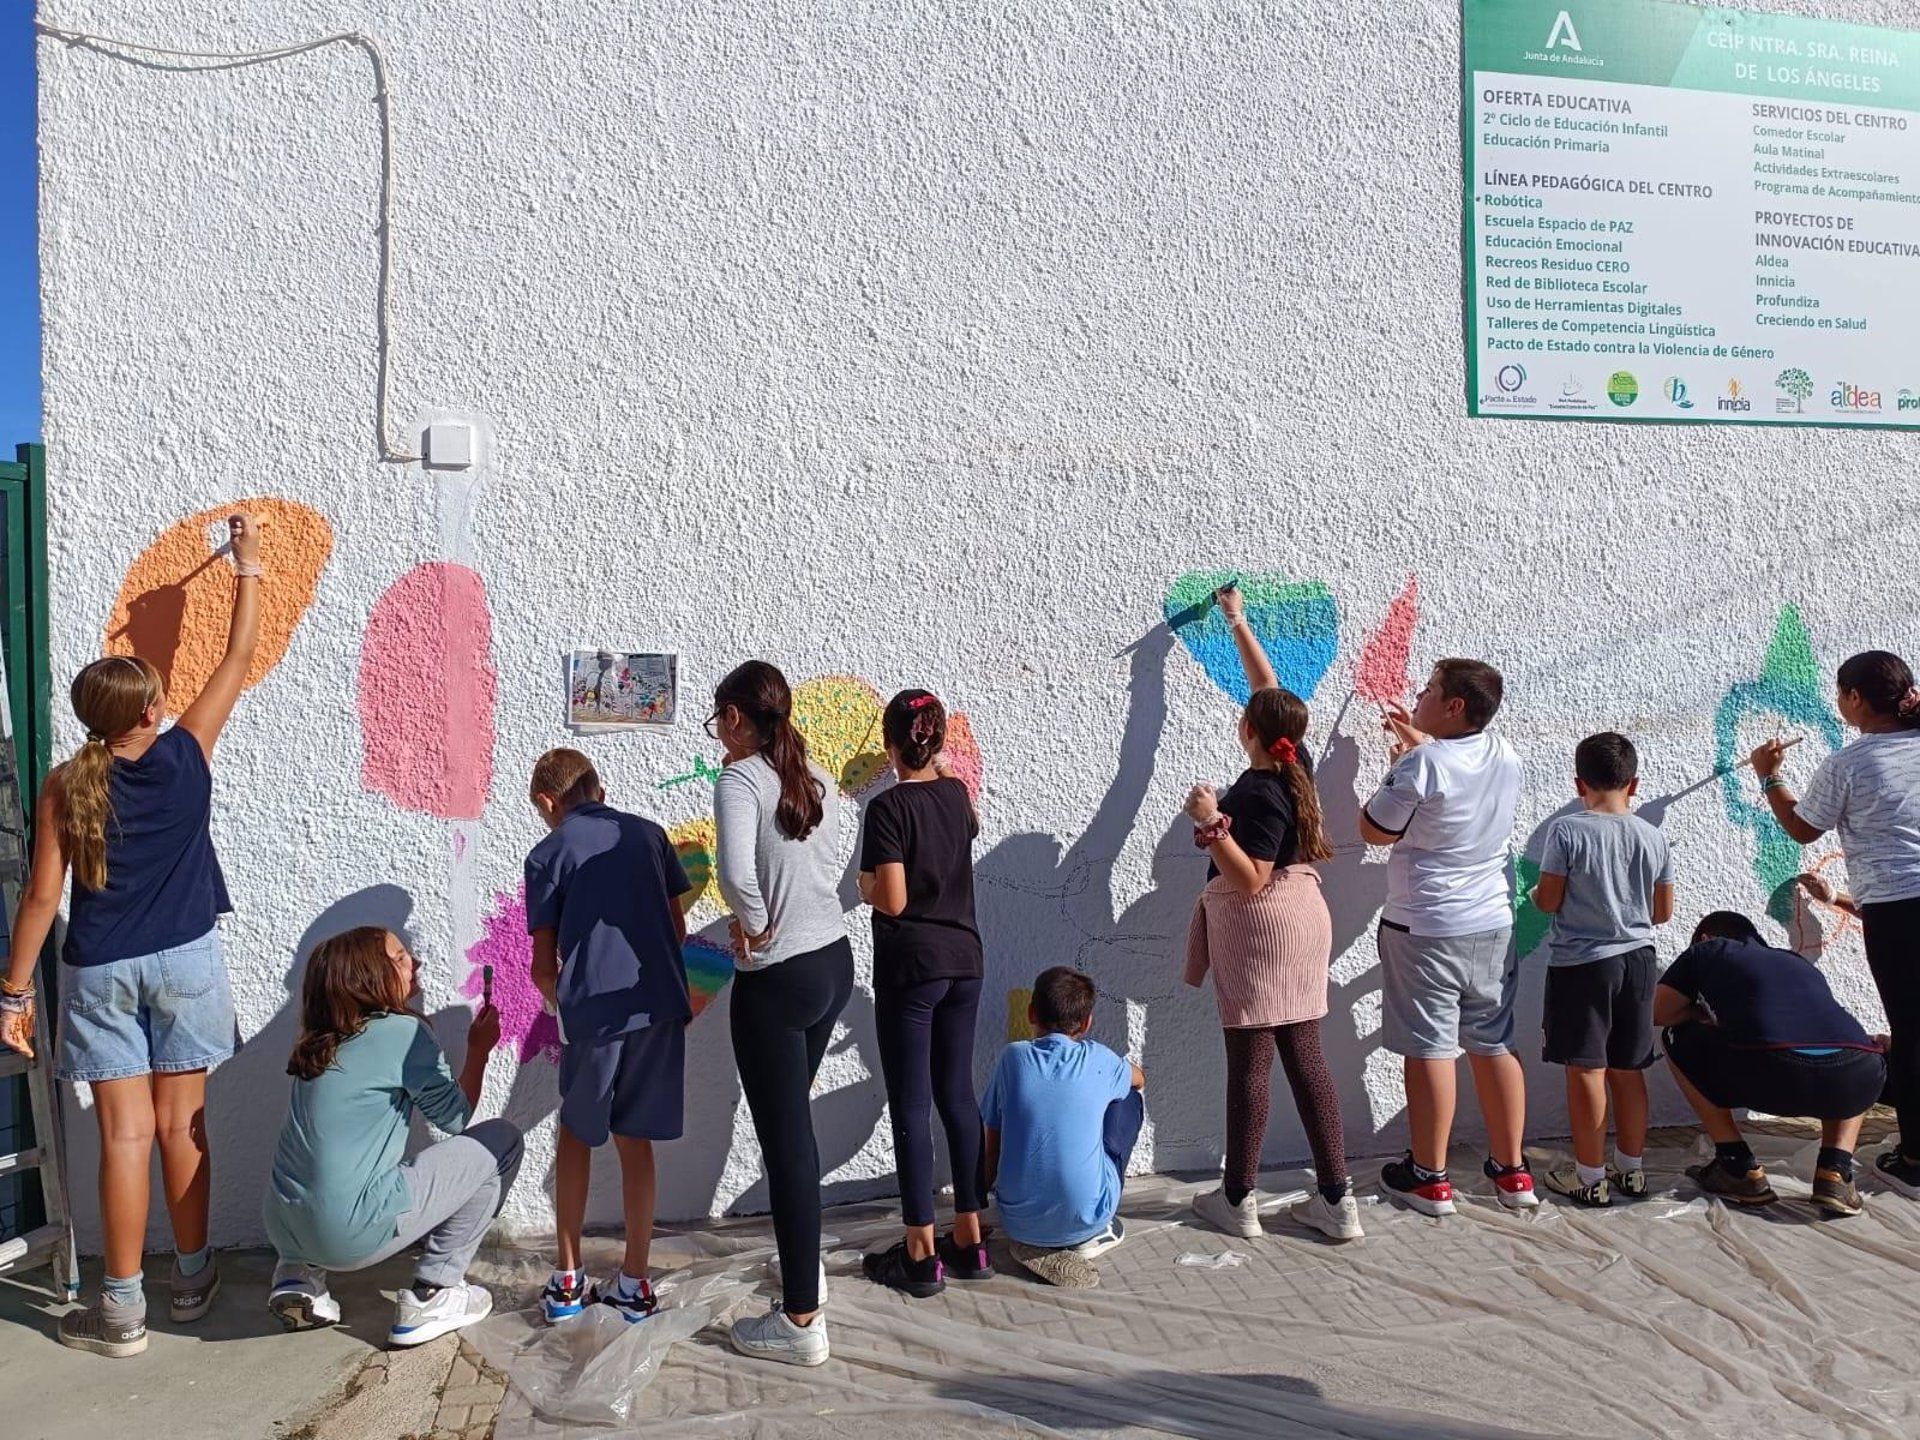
1674 1316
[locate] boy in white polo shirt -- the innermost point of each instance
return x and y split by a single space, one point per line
1446 935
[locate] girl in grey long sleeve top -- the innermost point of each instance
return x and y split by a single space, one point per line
778 862
769 880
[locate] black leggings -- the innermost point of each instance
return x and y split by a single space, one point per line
1893 954
926 1052
782 1019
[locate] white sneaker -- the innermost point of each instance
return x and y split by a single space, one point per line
1115 1232
302 1302
773 1269
416 1321
1339 1221
773 1336
1221 1213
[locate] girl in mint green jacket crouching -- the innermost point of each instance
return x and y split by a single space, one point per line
342 1197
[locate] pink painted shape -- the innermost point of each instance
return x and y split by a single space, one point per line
427 686
1381 675
505 945
963 750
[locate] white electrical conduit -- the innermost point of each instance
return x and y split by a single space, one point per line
155 57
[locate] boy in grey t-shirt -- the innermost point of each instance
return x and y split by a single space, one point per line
1607 880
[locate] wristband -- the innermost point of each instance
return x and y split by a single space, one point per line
248 570
1213 831
1770 783
16 1002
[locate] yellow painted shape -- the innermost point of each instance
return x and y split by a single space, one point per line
840 717
1018 1026
177 598
695 841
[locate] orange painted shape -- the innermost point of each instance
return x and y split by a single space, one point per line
176 601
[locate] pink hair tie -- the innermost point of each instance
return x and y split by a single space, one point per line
1283 750
1910 702
920 702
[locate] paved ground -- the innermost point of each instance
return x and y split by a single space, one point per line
237 1375
1672 1317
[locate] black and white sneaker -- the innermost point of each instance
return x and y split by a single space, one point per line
1897 1172
897 1270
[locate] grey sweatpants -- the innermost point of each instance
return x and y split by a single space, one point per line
457 1188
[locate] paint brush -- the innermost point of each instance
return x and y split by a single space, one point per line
1197 611
486 986
1786 744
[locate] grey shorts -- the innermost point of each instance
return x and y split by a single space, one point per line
1446 992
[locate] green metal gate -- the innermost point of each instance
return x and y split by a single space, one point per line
23 634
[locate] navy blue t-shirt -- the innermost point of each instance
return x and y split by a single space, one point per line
164 886
1764 999
606 882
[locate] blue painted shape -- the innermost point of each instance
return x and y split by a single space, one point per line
1297 623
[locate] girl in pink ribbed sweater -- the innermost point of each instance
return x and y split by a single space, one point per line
1261 928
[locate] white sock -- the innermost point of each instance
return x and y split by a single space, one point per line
627 1287
566 1278
1590 1174
1628 1163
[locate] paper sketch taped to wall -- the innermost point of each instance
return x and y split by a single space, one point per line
427 688
609 690
177 597
1296 621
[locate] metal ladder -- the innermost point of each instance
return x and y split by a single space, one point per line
51 1242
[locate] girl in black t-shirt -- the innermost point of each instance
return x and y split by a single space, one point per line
916 871
1262 928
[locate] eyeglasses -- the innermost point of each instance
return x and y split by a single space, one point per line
712 725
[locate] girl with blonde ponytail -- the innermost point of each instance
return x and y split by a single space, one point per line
144 1005
1261 927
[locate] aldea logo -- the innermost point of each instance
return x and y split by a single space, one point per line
1563 34
1909 400
1853 398
1735 400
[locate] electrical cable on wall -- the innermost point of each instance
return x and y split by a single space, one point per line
155 57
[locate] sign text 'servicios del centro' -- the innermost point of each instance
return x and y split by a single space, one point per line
1681 214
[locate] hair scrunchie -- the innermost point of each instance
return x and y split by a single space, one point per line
1284 751
1910 702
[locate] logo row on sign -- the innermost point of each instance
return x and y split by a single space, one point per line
1793 394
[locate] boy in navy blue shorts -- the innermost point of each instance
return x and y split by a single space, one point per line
602 892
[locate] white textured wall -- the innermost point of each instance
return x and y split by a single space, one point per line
928 343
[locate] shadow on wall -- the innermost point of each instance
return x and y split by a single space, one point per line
247 1096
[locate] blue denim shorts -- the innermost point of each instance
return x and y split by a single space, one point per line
170 1011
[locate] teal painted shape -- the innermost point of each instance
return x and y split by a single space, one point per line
1530 925
1296 622
1788 689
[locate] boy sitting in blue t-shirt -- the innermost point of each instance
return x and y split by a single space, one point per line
607 938
1062 1114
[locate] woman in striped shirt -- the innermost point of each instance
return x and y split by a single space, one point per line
1261 926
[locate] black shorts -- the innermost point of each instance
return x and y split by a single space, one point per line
1838 1086
1599 1016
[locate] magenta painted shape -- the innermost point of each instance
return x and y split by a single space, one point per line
427 687
505 945
1381 675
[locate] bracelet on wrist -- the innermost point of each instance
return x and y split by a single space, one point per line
1770 783
16 1004
7 987
1212 832
248 570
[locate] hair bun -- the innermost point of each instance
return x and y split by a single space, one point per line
1910 702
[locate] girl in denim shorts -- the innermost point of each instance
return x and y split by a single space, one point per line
144 1007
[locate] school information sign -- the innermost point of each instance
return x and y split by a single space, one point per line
1683 214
